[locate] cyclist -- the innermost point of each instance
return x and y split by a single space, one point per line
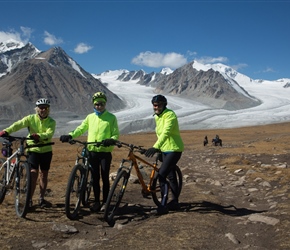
41 129
169 142
101 126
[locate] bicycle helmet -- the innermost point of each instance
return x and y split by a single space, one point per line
99 97
159 99
42 101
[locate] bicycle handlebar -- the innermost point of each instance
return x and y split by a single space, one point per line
22 139
140 149
40 145
84 143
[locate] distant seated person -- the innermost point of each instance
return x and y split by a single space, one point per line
205 141
217 141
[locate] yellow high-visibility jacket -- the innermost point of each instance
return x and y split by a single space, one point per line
43 127
99 127
167 131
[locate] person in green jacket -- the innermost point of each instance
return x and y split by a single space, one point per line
169 142
41 129
102 126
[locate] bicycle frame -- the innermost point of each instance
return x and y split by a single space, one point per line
132 158
11 163
79 184
17 170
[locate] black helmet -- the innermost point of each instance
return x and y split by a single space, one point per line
159 99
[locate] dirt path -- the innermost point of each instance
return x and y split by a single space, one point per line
233 197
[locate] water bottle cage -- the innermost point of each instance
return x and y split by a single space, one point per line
7 151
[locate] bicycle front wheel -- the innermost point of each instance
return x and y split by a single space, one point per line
23 189
74 191
3 189
115 196
156 190
87 188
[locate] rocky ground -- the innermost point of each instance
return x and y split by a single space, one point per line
233 197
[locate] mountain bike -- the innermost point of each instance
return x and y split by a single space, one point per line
15 171
150 187
80 181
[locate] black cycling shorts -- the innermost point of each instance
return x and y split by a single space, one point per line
40 160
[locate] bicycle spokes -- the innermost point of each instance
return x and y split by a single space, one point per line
22 191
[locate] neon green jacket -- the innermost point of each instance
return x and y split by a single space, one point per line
43 127
100 127
167 131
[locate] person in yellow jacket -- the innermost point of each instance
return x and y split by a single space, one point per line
102 126
170 143
41 129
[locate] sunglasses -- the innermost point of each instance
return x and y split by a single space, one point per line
157 104
43 107
101 104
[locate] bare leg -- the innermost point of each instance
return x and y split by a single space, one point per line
34 175
43 182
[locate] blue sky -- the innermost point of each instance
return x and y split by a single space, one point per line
251 36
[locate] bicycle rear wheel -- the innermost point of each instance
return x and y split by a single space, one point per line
3 189
115 196
74 191
156 190
23 189
88 188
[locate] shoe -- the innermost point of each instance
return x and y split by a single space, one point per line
96 207
42 203
162 210
173 205
103 208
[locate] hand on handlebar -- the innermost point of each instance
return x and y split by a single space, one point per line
65 138
151 151
35 137
3 134
108 142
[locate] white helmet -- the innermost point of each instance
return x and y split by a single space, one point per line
42 101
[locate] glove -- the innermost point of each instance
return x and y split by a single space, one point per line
65 138
150 152
35 137
3 134
108 142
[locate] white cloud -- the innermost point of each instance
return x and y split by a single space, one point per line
26 32
156 60
6 35
208 59
268 70
239 66
82 48
50 39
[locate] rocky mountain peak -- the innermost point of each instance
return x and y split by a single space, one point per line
51 74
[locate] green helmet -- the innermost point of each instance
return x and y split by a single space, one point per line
99 96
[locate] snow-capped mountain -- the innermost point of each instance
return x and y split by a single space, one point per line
28 74
13 52
10 44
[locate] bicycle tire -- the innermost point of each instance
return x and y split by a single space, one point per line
115 196
74 192
88 188
3 188
155 187
22 188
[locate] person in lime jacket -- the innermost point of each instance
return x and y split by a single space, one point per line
41 129
170 143
102 126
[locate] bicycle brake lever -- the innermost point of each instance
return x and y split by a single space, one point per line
118 144
71 142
